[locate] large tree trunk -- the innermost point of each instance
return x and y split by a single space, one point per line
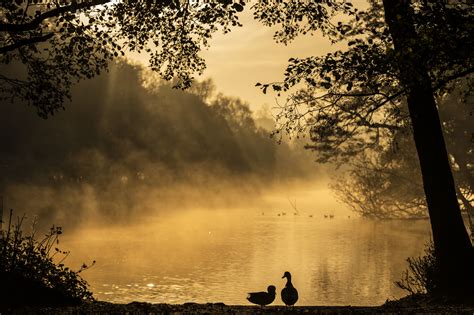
452 245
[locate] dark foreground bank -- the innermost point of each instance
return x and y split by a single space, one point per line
220 308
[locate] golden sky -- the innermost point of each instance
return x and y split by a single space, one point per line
248 55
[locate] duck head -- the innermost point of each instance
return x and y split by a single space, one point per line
271 289
287 275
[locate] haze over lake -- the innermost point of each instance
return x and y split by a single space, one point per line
219 254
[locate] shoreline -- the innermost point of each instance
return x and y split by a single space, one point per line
103 308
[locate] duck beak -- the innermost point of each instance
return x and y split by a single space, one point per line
283 276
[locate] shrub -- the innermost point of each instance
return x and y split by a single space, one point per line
33 272
422 274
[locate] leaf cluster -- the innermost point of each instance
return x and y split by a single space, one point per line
39 261
301 17
348 99
173 32
56 46
62 43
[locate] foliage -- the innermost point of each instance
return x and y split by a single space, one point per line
26 259
353 105
422 275
301 18
56 48
350 100
386 182
456 110
59 44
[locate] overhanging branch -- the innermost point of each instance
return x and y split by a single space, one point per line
25 42
450 78
33 24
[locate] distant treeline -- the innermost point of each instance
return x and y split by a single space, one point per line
118 136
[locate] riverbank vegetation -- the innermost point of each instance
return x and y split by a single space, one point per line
32 268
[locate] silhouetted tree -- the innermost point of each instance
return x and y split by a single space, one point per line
62 42
397 51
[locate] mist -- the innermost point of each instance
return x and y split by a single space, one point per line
129 145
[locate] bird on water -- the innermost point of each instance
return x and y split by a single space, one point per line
289 295
263 298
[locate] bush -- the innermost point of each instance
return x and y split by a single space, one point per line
32 271
422 274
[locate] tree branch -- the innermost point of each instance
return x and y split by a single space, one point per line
24 42
33 24
452 77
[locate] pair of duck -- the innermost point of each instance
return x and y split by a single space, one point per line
289 294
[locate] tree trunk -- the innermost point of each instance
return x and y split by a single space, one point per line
453 248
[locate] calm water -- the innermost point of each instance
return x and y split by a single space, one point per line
219 256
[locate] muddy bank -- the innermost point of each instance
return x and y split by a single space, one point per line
137 308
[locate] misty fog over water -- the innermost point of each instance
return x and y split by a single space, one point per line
219 255
122 148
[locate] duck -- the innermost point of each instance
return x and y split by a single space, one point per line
263 298
289 294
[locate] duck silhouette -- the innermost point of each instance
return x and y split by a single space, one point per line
263 298
289 294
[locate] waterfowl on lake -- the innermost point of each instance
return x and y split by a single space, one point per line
289 295
263 298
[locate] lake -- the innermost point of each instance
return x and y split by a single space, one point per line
218 255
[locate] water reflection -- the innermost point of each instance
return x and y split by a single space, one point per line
219 256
